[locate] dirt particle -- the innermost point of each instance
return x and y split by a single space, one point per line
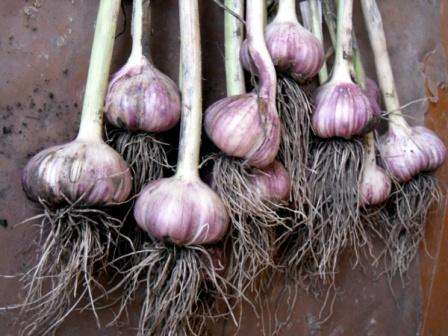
4 223
7 130
51 95
75 105
36 90
65 72
19 105
32 104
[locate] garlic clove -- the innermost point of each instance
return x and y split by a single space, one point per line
92 171
273 183
237 126
431 144
182 211
294 49
342 110
401 154
141 98
375 185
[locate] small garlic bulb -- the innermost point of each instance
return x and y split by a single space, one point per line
273 183
375 185
87 170
431 144
141 98
342 110
294 49
182 211
244 126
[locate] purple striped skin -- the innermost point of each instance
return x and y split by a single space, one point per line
238 126
294 49
141 98
273 183
182 211
342 110
431 144
375 185
91 170
407 152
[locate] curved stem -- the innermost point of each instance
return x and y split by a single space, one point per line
137 31
384 71
287 11
91 127
233 36
191 89
316 28
343 55
258 49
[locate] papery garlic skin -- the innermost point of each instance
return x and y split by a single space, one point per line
88 170
375 185
294 49
273 183
141 98
431 144
373 93
342 110
401 153
237 126
184 211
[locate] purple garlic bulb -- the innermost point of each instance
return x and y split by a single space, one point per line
182 211
342 110
245 126
294 49
141 98
408 151
375 185
273 183
373 93
87 170
431 144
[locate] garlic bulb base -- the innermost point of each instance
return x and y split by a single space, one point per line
181 211
375 185
86 170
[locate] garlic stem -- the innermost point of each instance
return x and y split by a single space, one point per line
316 28
369 146
233 37
384 71
341 70
287 11
91 126
360 73
137 31
329 13
191 89
258 50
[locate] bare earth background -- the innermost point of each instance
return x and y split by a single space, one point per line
44 53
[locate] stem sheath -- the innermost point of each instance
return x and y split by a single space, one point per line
233 35
316 28
287 11
258 50
137 31
191 89
384 71
343 55
91 126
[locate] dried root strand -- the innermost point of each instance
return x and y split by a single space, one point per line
334 218
145 154
74 244
253 222
402 222
180 287
294 109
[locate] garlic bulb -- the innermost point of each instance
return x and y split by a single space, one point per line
375 185
342 110
244 126
372 91
273 183
183 211
407 151
431 144
87 170
141 98
293 48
